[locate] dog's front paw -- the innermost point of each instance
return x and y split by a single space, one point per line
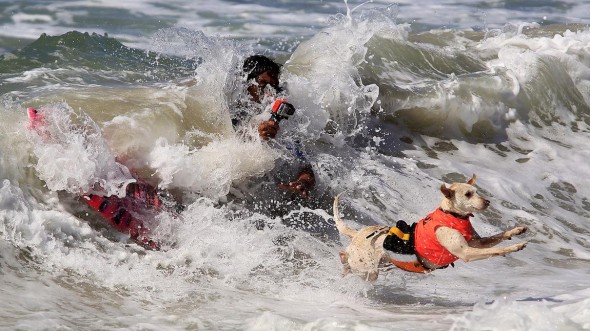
518 247
514 232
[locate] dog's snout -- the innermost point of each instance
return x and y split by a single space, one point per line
486 202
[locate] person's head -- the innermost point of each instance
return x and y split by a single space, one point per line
261 72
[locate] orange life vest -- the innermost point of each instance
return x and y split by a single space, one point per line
426 243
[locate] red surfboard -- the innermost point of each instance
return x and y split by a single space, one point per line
124 214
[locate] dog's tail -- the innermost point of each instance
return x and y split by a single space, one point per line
340 225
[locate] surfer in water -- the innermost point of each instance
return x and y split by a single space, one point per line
264 94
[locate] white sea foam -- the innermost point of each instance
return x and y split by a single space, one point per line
212 169
74 158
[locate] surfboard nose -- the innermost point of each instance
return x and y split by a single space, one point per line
36 118
32 113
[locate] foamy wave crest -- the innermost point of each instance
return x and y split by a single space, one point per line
327 66
474 85
552 70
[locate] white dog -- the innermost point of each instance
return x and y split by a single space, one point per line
436 241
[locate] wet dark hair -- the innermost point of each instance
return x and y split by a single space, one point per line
257 64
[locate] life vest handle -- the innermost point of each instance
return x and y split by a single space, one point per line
401 235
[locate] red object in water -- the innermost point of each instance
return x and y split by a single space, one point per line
122 213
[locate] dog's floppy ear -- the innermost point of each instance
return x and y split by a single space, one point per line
472 180
447 192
